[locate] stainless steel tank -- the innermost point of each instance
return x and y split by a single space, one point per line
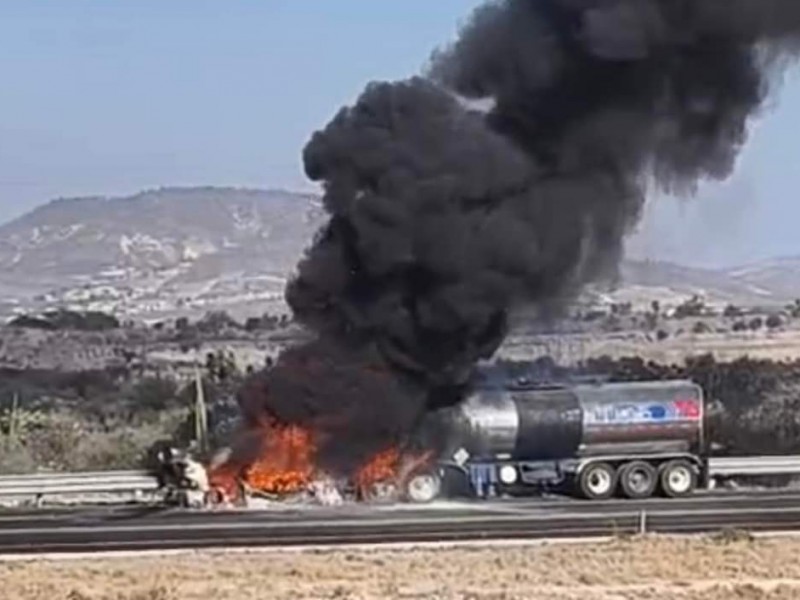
579 420
653 416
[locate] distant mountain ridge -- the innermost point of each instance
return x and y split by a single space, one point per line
160 251
175 251
767 282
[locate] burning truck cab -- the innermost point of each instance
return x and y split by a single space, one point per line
285 469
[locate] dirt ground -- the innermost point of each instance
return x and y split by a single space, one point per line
645 569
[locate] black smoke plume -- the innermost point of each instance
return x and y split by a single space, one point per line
507 176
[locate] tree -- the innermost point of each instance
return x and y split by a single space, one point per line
212 366
756 323
221 366
693 307
612 323
252 324
216 322
593 315
97 321
732 311
739 326
622 309
774 321
154 393
67 319
655 306
29 322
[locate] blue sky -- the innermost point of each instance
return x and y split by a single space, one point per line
108 97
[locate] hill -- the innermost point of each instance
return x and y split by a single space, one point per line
184 251
644 280
163 252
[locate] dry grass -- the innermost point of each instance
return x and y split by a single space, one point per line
567 349
649 569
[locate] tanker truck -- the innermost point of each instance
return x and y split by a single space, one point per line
594 440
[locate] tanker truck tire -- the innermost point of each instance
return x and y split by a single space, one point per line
597 481
638 480
423 487
678 479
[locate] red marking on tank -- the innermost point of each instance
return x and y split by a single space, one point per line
689 409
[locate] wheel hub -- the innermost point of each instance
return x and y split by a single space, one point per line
599 481
423 488
679 480
639 480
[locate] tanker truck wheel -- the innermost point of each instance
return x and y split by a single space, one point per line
638 480
597 481
423 487
678 479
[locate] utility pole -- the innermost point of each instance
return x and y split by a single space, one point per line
13 423
15 415
200 415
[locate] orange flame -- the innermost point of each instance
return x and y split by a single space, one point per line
382 467
286 464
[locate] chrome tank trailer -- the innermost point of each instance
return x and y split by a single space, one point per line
541 423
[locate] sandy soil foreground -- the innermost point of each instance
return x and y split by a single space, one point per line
649 569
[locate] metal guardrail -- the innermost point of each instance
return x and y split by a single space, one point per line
139 483
43 485
75 475
753 465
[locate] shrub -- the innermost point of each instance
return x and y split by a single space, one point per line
774 321
15 458
693 307
740 326
67 319
154 394
67 441
732 311
216 322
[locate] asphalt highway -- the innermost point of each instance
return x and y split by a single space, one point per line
98 529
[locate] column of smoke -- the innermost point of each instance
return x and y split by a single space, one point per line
507 176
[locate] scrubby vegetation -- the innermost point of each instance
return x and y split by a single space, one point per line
97 420
112 417
80 391
66 319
